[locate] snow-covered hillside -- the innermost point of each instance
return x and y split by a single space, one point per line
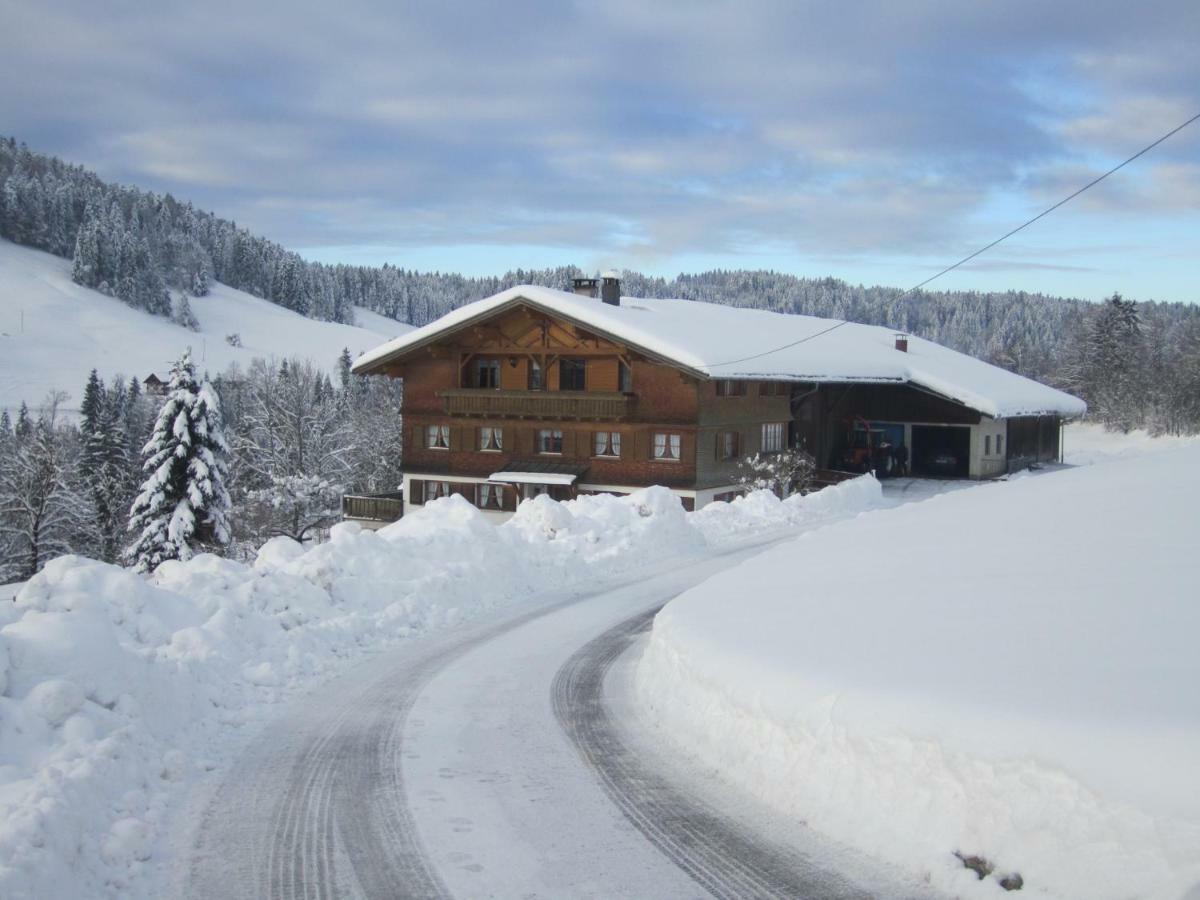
1008 671
53 331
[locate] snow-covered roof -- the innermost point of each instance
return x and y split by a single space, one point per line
716 341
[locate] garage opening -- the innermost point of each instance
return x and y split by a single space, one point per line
941 451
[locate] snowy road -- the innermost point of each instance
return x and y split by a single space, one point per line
495 761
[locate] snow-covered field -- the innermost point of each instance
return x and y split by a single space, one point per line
117 692
1086 444
1009 671
53 332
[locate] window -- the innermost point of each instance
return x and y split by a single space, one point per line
999 445
535 376
489 496
728 444
607 443
529 491
437 437
772 437
425 491
624 378
727 388
666 446
572 374
987 445
772 389
550 441
491 440
726 496
486 373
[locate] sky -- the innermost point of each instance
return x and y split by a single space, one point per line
876 142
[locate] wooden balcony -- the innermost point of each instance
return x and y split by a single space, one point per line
486 402
373 507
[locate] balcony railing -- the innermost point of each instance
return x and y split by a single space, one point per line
536 404
373 507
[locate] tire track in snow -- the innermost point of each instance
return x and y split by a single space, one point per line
316 807
721 858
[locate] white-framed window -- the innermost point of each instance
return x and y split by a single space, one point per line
666 446
550 440
606 443
772 437
987 445
999 445
536 383
489 496
491 440
728 444
437 437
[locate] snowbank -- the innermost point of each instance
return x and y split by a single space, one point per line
1008 671
116 691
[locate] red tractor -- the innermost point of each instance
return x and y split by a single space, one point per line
866 449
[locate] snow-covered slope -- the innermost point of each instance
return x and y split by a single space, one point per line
53 331
1007 671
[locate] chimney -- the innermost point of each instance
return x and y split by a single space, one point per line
610 288
902 343
585 287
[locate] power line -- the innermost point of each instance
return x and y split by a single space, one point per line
984 249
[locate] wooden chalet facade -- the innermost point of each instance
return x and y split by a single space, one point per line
534 391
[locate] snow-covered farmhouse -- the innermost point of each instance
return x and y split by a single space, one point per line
535 391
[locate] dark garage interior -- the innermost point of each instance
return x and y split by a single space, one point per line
941 450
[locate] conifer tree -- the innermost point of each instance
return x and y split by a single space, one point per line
183 503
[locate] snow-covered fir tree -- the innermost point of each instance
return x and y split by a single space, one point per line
184 315
183 503
42 514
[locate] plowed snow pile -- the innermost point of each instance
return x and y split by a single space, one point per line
1010 672
116 691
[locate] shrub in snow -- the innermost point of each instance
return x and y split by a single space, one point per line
233 340
183 500
784 473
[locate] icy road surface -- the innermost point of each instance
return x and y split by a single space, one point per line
496 761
